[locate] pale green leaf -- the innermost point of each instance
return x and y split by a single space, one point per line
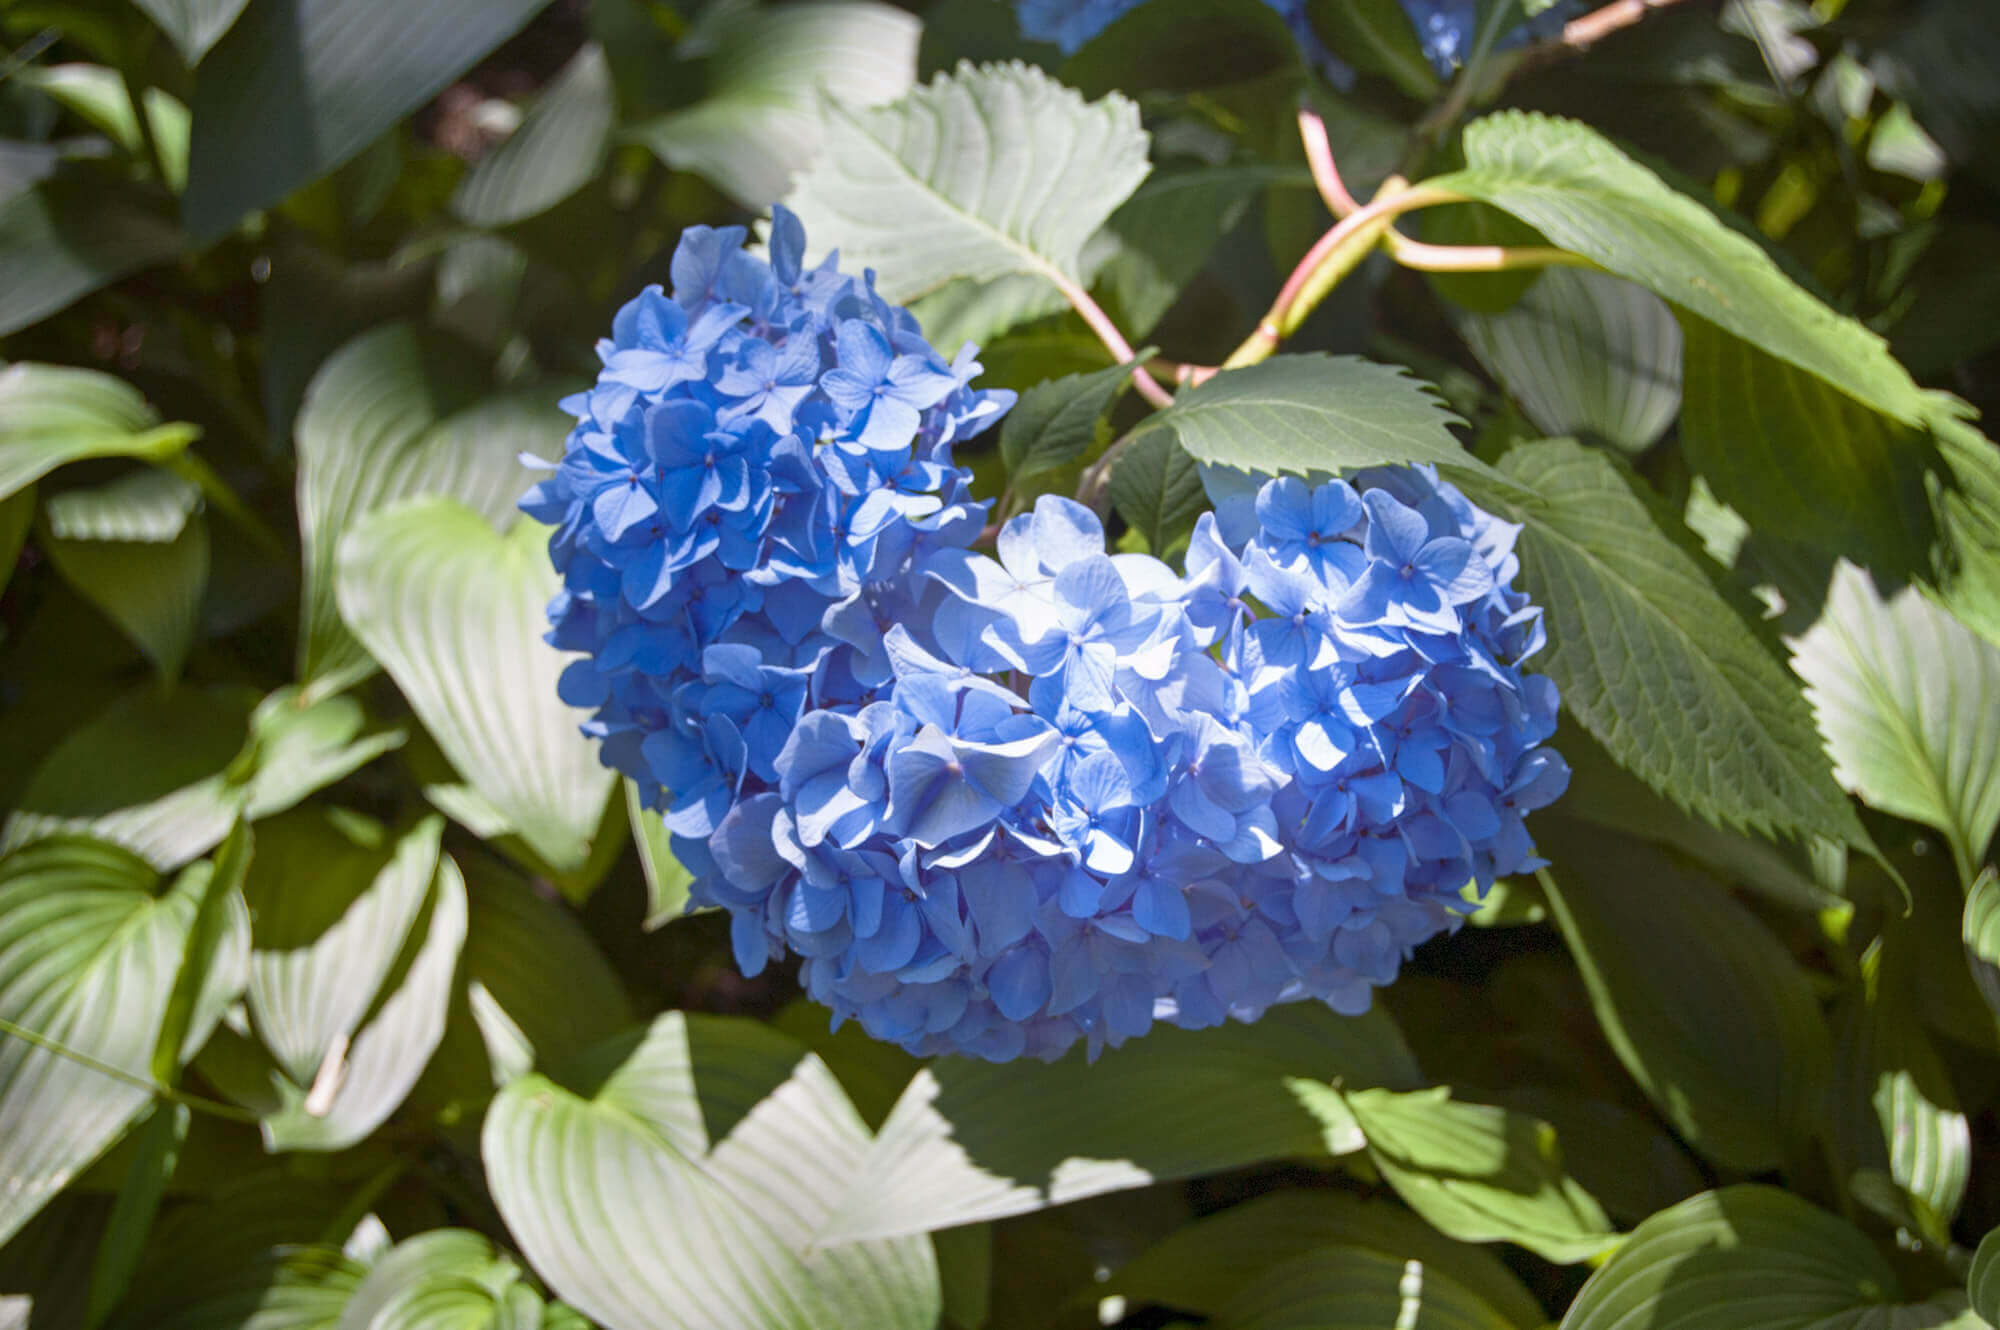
444 1279
1354 1288
1980 934
455 614
151 505
969 1141
990 176
1710 1014
762 121
51 415
194 25
215 965
98 95
667 881
555 152
1909 701
1653 661
386 418
1983 1284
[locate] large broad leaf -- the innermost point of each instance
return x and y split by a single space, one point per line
51 415
297 87
554 153
137 549
1980 933
165 776
90 941
1572 185
1966 496
1712 1017
1166 230
1749 1258
762 121
1312 415
1983 1283
991 180
446 1278
970 1141
455 613
1653 661
65 238
1584 352
1479 1173
386 417
1909 701
681 1178
1203 1266
1354 1288
194 25
1057 421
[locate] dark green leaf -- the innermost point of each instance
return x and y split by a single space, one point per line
1375 37
1182 46
554 153
137 550
1058 421
62 240
1967 500
194 25
1983 1284
296 87
1166 231
160 1138
1354 1288
1156 487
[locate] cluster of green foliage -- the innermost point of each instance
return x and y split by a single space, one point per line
341 986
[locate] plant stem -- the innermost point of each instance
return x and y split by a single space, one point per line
1476 258
1319 156
194 1102
1114 341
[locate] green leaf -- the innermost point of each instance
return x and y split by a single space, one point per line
297 87
1375 37
136 549
1058 420
761 121
64 239
1980 933
1166 231
1653 661
385 419
1569 182
1183 46
1665 952
557 149
970 1141
17 514
160 1138
682 1177
1745 1258
1203 1266
1983 1283
1909 701
215 967
1312 415
666 881
1352 1288
51 415
1583 352
1966 497
1479 1173
994 178
89 945
193 25
1156 487
447 1277
454 613
98 95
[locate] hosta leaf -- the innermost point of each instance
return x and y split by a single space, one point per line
1312 414
296 87
1584 352
1980 933
761 121
135 549
454 613
554 153
160 1137
1665 951
969 1141
64 239
682 1177
1983 1283
667 882
97 95
1479 1173
194 25
1203 1266
1353 1288
445 1279
1653 661
51 415
995 177
386 418
1909 701
1746 1258
90 941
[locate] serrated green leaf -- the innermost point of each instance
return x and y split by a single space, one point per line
1312 415
557 149
1479 1173
1584 352
297 87
455 614
1576 188
681 1178
1664 951
386 419
1156 487
970 1142
1353 1288
1375 36
1980 933
1653 661
1966 497
762 121
1057 421
667 881
193 25
1909 701
51 415
987 176
64 239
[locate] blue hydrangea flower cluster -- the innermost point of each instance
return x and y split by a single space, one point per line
999 804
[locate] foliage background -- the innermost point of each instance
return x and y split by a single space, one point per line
389 1012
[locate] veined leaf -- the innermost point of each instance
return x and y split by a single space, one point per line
51 415
161 1135
1909 701
761 121
137 550
1983 1284
1156 487
1966 497
194 25
454 612
97 94
1354 1288
995 177
1653 661
1057 421
1376 36
1980 933
557 149
667 881
384 420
